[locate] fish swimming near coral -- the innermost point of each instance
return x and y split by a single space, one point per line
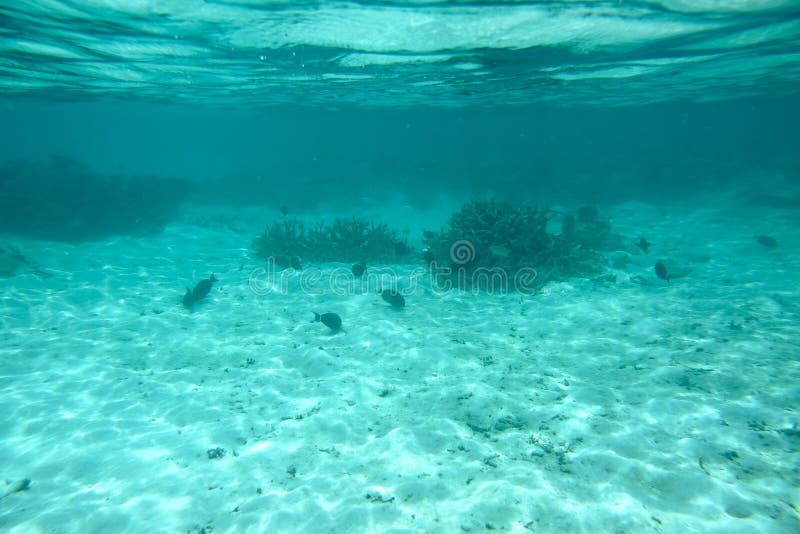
393 297
644 244
331 320
199 292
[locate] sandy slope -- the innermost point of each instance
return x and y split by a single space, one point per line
586 406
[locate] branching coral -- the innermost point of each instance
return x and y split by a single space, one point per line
344 240
503 237
284 238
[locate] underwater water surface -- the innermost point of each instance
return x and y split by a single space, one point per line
399 266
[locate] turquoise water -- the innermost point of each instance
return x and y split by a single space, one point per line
590 209
251 54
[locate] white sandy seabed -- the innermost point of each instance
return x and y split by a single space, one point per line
616 406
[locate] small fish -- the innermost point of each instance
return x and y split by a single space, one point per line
644 245
331 320
501 251
661 271
766 241
428 256
393 297
359 269
199 292
284 210
187 298
203 287
13 487
427 234
295 263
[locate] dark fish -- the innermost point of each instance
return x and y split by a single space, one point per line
203 287
393 297
359 269
187 298
661 271
284 210
427 234
428 256
13 487
331 320
766 240
199 292
295 263
644 245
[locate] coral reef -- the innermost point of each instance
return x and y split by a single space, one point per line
501 237
64 200
345 240
285 237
